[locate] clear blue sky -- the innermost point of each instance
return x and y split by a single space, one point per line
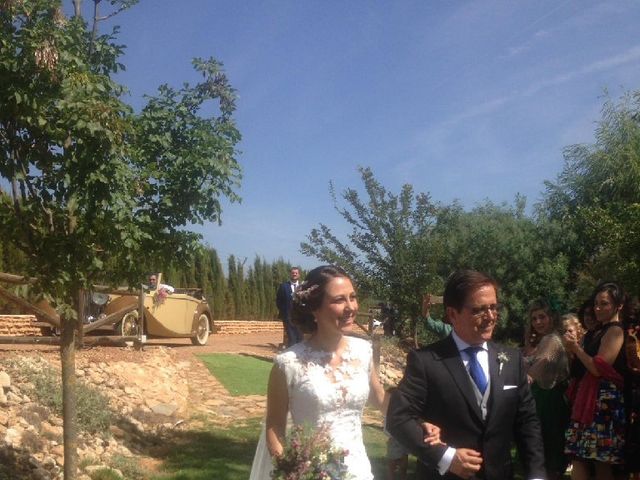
463 99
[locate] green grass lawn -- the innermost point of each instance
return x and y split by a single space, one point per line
240 375
226 454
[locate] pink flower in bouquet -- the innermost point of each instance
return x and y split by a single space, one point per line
309 455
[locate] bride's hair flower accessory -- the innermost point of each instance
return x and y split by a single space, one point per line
303 293
502 359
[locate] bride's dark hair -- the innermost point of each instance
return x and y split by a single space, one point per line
309 295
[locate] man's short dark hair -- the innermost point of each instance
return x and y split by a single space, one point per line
461 284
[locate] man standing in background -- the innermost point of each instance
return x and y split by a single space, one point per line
284 299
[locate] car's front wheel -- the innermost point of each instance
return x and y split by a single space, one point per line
202 331
129 326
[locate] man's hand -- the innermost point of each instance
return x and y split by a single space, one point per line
465 463
571 342
431 433
426 305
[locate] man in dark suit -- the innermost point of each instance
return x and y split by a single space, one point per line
475 390
284 298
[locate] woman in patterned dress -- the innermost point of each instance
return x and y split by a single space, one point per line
596 431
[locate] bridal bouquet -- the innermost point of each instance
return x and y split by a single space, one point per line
309 455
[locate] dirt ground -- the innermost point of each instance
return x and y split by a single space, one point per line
260 344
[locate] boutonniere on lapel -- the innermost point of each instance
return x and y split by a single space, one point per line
502 359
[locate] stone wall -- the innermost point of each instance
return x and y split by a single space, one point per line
22 325
18 325
235 327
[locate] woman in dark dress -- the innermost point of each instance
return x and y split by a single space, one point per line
597 427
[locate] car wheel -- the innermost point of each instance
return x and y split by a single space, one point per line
129 326
202 331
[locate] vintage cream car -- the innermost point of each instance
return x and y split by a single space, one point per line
170 315
166 314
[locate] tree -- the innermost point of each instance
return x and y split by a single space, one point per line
596 199
218 285
390 250
518 252
404 245
96 190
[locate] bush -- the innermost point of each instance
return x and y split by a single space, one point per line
105 474
129 467
44 386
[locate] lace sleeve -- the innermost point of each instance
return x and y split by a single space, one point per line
285 362
363 353
550 364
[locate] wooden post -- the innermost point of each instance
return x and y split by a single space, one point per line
16 279
141 320
27 306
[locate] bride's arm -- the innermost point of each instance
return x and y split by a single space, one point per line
277 408
378 398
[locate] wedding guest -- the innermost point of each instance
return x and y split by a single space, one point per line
596 431
153 284
284 302
589 326
571 324
438 327
548 372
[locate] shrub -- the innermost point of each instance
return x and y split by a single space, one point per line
32 441
105 474
44 386
129 467
87 461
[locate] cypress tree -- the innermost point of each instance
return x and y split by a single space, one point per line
218 286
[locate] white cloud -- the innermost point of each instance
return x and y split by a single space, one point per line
631 55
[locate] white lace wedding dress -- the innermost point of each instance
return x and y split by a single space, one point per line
323 395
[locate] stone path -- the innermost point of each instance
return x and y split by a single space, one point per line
209 397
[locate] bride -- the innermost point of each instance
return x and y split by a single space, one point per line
326 379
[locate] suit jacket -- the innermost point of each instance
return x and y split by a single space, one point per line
437 388
284 297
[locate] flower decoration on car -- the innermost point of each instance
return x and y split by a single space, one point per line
160 296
